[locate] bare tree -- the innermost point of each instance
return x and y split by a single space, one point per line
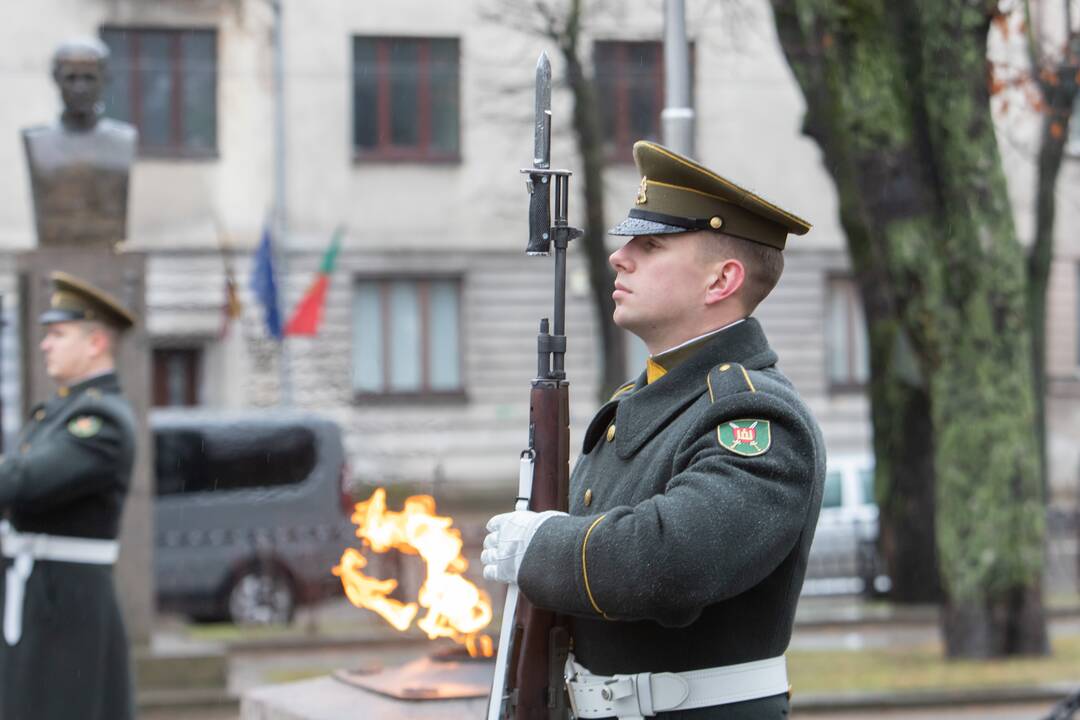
564 24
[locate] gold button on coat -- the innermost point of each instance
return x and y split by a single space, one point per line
39 415
611 433
588 497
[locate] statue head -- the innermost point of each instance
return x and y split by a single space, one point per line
79 68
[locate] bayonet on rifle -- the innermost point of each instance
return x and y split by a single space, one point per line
539 184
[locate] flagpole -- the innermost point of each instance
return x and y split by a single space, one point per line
280 215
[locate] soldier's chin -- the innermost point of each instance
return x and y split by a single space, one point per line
624 320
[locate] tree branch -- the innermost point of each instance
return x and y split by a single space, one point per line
1033 47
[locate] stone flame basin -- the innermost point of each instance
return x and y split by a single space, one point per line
449 685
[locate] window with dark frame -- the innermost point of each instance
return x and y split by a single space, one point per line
630 93
406 337
406 98
177 374
164 82
847 358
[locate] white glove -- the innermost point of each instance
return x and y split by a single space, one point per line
508 537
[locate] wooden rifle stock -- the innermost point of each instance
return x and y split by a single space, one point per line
541 640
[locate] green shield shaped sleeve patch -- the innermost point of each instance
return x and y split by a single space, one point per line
745 437
84 426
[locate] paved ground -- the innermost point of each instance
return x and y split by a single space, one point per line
994 712
818 629
989 712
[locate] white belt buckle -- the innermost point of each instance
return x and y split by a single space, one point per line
624 694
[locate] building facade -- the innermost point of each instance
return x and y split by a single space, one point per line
406 123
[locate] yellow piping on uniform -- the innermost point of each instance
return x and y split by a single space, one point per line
747 376
690 189
585 568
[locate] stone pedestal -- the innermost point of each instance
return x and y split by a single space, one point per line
328 699
432 688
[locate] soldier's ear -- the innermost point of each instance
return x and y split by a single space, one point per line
726 278
101 339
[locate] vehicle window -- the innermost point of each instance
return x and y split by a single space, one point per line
232 459
178 460
866 485
832 495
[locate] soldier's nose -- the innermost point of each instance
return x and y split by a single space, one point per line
620 260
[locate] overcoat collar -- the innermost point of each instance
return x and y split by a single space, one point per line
106 382
648 407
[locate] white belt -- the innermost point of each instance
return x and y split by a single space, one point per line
632 697
25 548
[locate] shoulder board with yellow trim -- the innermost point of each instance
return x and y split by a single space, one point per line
622 391
728 379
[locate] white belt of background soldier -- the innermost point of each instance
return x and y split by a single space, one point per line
632 697
26 548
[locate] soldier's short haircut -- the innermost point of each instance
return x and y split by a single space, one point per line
763 264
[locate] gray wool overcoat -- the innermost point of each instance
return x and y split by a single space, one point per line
692 510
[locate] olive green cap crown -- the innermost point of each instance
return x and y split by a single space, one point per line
75 299
679 195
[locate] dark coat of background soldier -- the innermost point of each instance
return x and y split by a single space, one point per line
694 502
64 652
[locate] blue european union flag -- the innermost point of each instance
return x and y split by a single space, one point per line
265 286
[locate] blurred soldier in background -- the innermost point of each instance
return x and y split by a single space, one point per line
64 651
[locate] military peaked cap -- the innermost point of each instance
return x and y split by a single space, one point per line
75 299
678 195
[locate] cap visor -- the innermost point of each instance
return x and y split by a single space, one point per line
638 226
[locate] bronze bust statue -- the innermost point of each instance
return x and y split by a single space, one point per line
79 166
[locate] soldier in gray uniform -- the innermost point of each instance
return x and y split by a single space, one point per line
64 651
694 502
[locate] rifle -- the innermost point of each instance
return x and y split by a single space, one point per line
534 643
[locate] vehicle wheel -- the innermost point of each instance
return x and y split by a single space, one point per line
261 596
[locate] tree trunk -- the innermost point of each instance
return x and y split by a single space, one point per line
903 447
904 474
897 98
1059 95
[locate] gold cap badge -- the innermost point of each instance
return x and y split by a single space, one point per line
642 197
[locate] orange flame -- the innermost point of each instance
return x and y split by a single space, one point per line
456 608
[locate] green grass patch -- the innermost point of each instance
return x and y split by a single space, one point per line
925 668
288 675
